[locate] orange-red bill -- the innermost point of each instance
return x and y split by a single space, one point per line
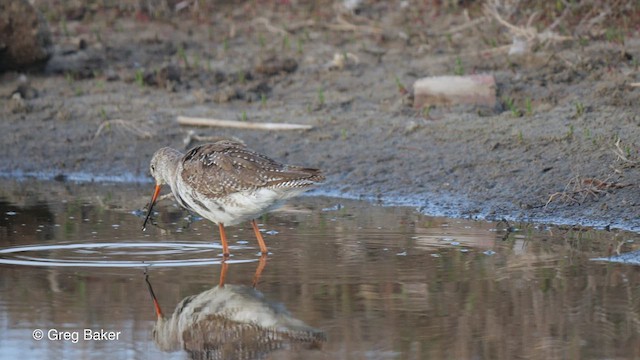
153 201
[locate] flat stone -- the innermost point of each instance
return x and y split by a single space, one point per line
455 90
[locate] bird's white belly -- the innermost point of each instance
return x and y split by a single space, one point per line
236 207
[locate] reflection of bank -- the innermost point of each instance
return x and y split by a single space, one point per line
232 322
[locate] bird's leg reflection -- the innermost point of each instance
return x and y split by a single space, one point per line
153 295
261 265
223 272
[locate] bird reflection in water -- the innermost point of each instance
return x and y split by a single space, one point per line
231 322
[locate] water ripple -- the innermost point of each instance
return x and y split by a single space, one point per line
115 255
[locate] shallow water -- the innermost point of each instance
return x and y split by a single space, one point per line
379 282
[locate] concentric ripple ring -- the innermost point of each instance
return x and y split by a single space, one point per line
102 254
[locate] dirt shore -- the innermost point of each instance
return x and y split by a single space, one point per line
560 146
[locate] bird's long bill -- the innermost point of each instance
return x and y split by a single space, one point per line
153 296
153 201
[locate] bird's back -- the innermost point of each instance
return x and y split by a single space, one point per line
229 183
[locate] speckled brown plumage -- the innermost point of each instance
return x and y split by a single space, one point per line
219 169
227 183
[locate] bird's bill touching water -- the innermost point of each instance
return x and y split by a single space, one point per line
153 201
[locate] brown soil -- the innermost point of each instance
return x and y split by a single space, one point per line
121 75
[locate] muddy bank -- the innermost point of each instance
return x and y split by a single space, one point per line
559 146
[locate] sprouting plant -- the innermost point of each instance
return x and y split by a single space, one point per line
321 96
343 134
458 69
262 41
65 29
528 107
242 77
244 116
579 109
263 100
583 41
182 54
520 136
286 44
570 132
449 38
196 61
225 44
401 88
139 77
426 111
511 105
69 77
103 113
299 45
587 133
614 35
97 34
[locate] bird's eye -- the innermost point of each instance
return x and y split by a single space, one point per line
153 168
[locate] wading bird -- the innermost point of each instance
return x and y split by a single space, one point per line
227 183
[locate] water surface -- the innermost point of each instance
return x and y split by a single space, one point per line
379 282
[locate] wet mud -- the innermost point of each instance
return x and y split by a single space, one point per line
559 146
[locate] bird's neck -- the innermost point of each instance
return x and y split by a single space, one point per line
171 166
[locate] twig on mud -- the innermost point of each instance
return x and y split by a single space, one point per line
140 130
344 25
341 25
185 120
529 33
272 29
579 189
460 28
192 136
636 84
621 154
293 27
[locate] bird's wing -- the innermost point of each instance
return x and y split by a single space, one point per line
225 167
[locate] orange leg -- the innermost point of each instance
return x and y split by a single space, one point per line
261 265
263 246
223 240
